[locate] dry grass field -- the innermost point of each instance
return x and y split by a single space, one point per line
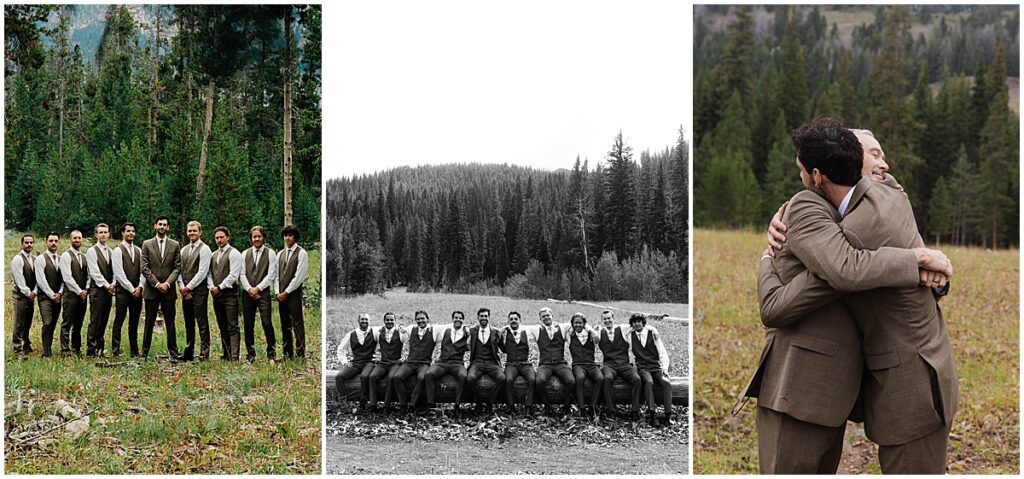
982 313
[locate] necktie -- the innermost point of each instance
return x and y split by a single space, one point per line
54 257
161 250
28 259
78 260
288 257
256 257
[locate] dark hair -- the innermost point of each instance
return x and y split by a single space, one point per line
417 313
637 318
578 315
225 229
290 230
830 147
460 313
386 315
125 225
52 233
483 310
161 217
27 236
515 313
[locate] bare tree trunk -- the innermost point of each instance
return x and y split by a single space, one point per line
211 91
582 216
154 105
287 167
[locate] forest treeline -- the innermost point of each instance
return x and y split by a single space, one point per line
206 112
931 82
618 230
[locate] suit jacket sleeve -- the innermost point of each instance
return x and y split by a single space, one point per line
785 304
177 265
818 241
146 271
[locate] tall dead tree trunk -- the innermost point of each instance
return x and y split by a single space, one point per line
210 93
154 105
287 167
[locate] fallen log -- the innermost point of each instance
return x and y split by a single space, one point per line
446 387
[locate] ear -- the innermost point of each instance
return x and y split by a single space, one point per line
816 176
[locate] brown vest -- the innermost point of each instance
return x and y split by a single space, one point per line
106 269
132 267
79 270
287 271
220 269
190 264
51 273
29 272
255 272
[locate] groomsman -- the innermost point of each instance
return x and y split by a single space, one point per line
258 272
652 363
550 339
23 275
355 352
292 265
161 265
195 266
101 295
516 345
225 268
127 262
50 284
421 350
584 365
389 343
454 343
615 349
483 359
75 272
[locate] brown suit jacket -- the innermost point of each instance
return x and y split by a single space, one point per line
811 365
158 270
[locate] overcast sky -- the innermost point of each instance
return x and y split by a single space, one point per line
528 82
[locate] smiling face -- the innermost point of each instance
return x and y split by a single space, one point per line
458 319
421 320
364 321
193 232
874 157
607 318
545 317
483 318
76 239
257 239
389 321
161 227
129 234
578 322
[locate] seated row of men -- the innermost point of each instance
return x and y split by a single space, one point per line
373 353
127 276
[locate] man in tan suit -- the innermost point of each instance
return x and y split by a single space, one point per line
161 264
809 375
195 266
910 390
50 286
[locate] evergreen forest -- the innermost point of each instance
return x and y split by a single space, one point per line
937 85
205 112
616 229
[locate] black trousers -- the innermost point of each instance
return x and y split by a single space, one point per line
249 308
648 378
71 324
225 307
100 301
627 373
352 370
196 313
24 309
403 372
166 304
477 370
293 324
49 312
437 371
526 371
582 372
560 371
126 305
379 371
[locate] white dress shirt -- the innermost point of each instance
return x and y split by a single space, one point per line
118 263
345 348
18 272
845 203
94 265
271 276
647 334
300 270
41 283
65 270
204 264
230 254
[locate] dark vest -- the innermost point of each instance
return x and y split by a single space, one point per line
646 356
421 351
29 272
51 273
190 265
255 272
390 352
517 353
362 353
132 267
106 269
221 269
287 271
453 352
552 350
582 354
484 353
79 269
615 350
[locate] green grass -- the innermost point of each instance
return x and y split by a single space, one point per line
982 314
158 417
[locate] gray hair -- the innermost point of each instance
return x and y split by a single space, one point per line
859 131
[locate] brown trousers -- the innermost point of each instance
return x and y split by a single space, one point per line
926 455
786 445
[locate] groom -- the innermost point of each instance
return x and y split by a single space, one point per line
810 372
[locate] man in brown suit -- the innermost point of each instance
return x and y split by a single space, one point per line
50 285
292 265
259 268
102 292
809 375
910 390
127 263
195 266
161 264
225 268
23 277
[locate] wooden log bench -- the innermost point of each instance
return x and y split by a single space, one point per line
446 387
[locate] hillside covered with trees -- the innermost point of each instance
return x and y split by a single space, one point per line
205 112
936 84
617 229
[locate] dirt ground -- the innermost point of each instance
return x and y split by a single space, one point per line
363 456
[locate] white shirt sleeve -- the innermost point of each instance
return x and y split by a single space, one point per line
344 349
271 272
242 278
95 274
663 360
119 275
18 273
234 269
41 277
300 272
65 272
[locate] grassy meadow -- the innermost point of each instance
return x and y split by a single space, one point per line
981 311
158 417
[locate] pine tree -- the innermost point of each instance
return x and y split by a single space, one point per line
940 211
620 202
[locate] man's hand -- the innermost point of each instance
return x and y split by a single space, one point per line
215 291
31 296
163 287
933 260
932 279
137 293
776 231
254 293
282 296
111 288
185 292
56 297
83 294
768 252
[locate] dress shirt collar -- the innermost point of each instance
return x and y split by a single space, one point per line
845 203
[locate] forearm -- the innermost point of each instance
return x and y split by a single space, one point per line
783 304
